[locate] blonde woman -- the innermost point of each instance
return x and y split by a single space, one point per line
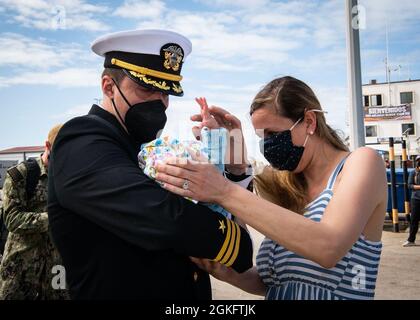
320 207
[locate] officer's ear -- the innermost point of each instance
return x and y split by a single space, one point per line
107 86
48 146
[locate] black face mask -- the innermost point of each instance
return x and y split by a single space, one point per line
143 120
280 151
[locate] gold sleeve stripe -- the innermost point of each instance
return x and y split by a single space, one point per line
231 244
237 244
225 244
146 71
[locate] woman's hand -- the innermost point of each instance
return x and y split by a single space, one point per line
216 269
248 281
205 182
236 161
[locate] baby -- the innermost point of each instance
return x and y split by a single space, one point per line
212 146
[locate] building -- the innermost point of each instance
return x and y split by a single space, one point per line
13 156
392 110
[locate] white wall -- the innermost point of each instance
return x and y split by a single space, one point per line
19 156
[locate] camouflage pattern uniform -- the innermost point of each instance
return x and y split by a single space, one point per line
29 255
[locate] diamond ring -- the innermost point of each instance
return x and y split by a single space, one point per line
185 185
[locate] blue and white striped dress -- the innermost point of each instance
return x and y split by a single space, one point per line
289 276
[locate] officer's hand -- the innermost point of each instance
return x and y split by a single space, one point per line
216 269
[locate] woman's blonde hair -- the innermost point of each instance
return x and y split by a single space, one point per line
291 98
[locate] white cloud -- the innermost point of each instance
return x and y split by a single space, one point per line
72 112
320 61
247 34
68 77
217 65
275 19
221 41
55 14
373 66
36 61
399 15
141 9
334 100
31 53
249 4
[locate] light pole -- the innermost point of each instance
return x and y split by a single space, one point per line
354 76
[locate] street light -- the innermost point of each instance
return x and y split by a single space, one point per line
354 75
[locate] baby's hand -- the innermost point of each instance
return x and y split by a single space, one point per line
207 119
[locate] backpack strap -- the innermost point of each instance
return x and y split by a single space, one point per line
15 174
32 177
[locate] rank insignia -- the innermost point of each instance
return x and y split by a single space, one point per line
173 55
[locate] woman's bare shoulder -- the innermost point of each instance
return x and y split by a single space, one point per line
365 158
366 166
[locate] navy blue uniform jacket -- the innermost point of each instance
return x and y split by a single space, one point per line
120 235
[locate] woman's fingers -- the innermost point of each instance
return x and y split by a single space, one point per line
175 168
166 178
196 130
196 117
200 264
195 260
236 123
203 264
197 156
214 110
179 191
225 118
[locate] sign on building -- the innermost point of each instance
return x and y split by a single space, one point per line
397 140
402 112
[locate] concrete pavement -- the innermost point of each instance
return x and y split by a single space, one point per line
398 278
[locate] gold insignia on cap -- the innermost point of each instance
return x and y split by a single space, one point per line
176 88
158 84
173 57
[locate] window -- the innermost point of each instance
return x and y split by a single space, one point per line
371 131
408 129
406 97
376 100
366 101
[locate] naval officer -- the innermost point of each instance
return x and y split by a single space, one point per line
120 235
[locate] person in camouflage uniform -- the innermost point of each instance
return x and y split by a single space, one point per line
29 254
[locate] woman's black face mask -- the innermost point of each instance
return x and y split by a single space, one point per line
280 151
143 120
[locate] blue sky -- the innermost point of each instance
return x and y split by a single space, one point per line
49 75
